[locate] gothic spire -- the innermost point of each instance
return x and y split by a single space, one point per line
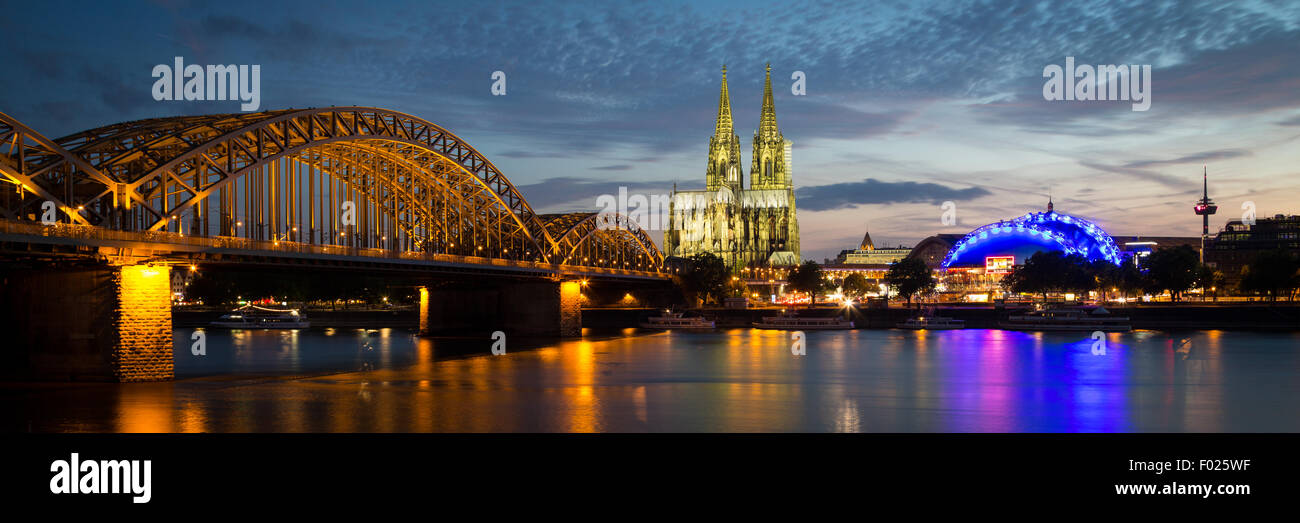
767 122
724 146
867 244
723 127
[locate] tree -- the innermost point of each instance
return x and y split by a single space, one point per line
706 277
807 278
1130 278
855 285
1171 269
1209 280
212 288
1052 271
736 287
1272 273
910 277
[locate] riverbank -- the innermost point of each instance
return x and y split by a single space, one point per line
1164 316
368 318
1198 316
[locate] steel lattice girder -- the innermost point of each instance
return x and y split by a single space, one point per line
167 165
572 230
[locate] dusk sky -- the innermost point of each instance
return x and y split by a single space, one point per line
908 104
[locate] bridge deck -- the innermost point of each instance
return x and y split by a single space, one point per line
177 247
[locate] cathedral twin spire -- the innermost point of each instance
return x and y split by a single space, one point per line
724 127
769 166
767 121
724 147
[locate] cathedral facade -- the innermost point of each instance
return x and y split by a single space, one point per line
745 227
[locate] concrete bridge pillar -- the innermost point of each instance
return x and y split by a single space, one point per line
88 323
142 324
528 308
424 311
570 308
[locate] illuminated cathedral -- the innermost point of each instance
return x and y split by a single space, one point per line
745 227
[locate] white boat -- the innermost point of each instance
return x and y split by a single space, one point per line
674 320
1077 319
254 317
932 323
790 322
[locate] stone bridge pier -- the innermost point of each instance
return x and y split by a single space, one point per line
87 322
527 308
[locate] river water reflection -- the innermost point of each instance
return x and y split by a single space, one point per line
737 380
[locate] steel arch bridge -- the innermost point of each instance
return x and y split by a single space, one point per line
356 177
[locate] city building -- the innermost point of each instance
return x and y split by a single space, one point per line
1238 243
868 254
746 227
1010 242
1138 247
973 265
934 249
867 260
180 280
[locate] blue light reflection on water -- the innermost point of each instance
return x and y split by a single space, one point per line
729 381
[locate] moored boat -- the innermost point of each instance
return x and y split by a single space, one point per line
932 323
1072 319
675 320
786 321
928 320
255 317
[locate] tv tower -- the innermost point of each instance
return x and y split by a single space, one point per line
1204 209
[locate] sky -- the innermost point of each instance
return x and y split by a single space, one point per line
907 104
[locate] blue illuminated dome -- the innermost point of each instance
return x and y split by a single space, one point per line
1040 231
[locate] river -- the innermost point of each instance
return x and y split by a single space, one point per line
740 380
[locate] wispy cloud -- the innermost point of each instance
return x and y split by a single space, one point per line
1207 156
870 191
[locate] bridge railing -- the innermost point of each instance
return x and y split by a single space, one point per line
82 232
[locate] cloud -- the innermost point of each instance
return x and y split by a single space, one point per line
569 193
1172 182
903 87
872 191
1207 156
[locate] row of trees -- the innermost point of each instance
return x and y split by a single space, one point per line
706 278
907 278
1172 269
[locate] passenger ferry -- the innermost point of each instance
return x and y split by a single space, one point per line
790 322
1098 319
254 317
674 320
931 322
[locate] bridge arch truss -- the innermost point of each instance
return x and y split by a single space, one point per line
351 176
